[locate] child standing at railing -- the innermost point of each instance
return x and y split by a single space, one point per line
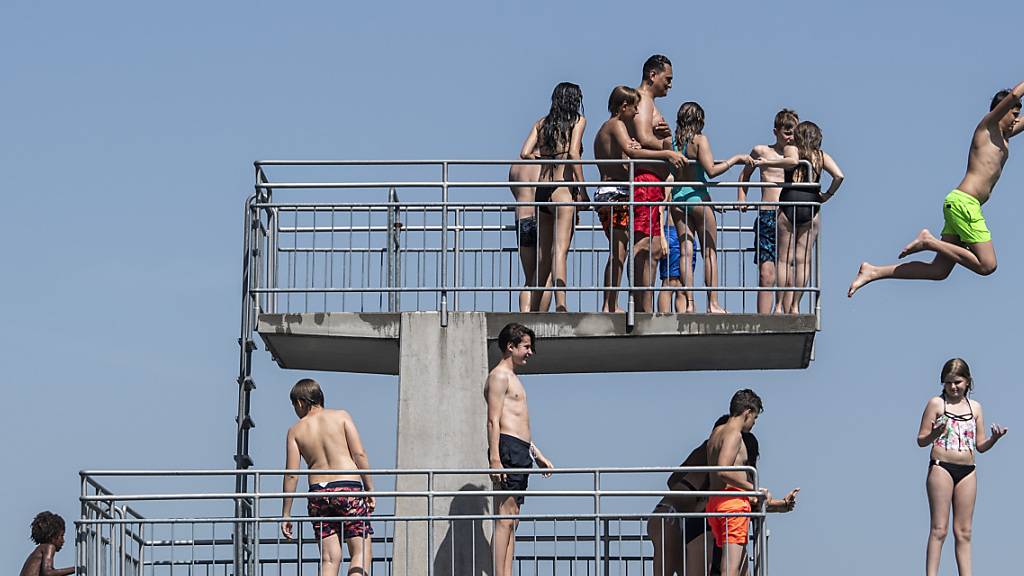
48 534
773 160
953 425
799 225
689 216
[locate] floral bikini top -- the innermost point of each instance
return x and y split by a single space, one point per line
959 435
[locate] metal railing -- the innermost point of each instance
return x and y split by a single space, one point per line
345 243
589 521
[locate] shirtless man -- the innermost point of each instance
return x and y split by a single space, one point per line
328 440
48 534
773 161
652 132
508 438
965 238
726 448
613 142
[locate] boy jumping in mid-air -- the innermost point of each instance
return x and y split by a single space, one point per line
965 237
773 161
48 534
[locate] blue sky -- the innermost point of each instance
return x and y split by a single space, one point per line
129 135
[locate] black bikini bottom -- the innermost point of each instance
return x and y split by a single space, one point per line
956 471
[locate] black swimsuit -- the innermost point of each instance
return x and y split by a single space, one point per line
799 215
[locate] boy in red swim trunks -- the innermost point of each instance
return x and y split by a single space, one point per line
649 128
328 440
726 448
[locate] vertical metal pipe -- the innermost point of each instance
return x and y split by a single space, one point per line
444 245
430 493
631 304
392 255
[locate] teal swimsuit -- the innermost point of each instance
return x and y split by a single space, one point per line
686 194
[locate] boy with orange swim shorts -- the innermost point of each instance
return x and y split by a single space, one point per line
726 448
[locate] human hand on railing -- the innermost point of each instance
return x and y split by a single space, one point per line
286 529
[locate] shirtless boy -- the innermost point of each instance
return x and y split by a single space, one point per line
509 442
652 132
965 238
613 142
48 534
328 440
773 161
727 448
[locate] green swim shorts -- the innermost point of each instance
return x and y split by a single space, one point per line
961 213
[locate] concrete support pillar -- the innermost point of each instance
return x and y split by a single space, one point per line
442 424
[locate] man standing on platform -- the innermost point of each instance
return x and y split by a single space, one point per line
649 128
509 442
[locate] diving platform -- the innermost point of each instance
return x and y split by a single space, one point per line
575 342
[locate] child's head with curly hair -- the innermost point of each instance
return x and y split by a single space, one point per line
48 528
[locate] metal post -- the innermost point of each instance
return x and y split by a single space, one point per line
598 567
444 245
392 250
430 520
631 305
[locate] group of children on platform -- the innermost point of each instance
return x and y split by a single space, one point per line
664 242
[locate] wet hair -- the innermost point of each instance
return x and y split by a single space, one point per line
689 123
807 138
46 526
307 390
753 448
744 400
513 334
620 96
786 118
957 367
655 64
566 109
998 98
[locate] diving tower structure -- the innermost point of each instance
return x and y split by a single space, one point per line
411 268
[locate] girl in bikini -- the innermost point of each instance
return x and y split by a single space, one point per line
799 225
953 425
559 135
690 217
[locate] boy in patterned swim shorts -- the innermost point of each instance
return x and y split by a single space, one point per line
328 440
965 237
773 160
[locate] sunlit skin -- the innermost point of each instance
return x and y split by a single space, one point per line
943 494
507 413
988 153
40 560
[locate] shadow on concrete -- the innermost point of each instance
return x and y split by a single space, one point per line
466 549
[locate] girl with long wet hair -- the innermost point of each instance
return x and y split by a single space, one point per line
690 217
799 225
557 136
954 426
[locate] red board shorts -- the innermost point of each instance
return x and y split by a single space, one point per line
647 219
337 505
732 529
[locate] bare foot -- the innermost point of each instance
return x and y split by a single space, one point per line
866 274
920 243
561 309
716 309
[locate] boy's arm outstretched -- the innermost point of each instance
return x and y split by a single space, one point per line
1012 99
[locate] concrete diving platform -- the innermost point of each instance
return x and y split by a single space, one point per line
370 343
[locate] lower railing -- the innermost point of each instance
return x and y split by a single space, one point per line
591 521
